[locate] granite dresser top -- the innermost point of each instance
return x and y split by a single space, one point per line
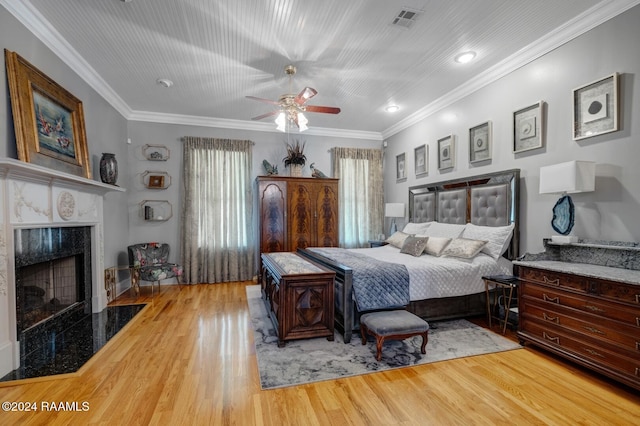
628 276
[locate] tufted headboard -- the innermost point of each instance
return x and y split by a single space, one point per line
491 199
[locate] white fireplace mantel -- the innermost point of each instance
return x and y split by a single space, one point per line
34 196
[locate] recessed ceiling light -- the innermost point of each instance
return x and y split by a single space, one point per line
465 57
392 108
164 82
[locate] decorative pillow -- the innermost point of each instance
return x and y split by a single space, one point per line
446 230
414 245
416 228
464 248
435 245
397 239
498 237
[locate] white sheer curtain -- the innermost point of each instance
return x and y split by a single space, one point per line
361 195
217 232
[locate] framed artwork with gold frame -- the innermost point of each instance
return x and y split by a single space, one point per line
48 120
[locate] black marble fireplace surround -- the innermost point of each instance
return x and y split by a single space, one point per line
56 329
45 258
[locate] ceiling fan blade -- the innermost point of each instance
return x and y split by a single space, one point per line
306 94
268 114
324 109
266 101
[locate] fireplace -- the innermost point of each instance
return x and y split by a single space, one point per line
53 283
51 255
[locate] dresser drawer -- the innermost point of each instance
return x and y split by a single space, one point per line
616 311
555 279
627 338
621 292
586 352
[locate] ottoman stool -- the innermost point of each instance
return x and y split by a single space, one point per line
396 325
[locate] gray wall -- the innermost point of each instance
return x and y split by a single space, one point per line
609 213
269 146
106 129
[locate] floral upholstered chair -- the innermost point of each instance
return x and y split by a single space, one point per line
150 262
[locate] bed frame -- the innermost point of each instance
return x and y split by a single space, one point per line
491 199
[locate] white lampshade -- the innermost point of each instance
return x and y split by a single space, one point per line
570 177
302 122
281 122
394 210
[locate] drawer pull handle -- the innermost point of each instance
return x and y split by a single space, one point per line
594 308
556 340
637 371
552 319
638 321
593 330
638 346
550 299
592 352
554 282
637 298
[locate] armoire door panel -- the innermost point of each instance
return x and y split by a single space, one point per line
326 206
272 217
301 217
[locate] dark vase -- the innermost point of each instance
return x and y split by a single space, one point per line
108 168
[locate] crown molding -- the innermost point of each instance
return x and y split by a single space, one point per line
222 123
577 26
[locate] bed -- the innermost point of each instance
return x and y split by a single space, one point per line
440 287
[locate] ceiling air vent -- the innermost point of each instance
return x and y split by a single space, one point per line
406 18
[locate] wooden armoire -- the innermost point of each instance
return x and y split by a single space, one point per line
297 212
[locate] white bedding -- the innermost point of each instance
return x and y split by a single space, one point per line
435 277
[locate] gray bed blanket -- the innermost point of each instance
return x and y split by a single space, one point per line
376 284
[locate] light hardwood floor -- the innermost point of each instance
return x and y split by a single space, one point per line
188 358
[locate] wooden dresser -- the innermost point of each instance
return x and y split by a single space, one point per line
298 295
297 212
587 313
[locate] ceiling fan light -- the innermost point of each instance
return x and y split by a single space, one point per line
302 122
281 121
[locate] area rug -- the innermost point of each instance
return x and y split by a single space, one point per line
312 360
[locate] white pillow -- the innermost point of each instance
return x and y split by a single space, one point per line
497 237
397 239
416 228
464 248
435 245
446 230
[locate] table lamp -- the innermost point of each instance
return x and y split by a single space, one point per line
567 178
393 210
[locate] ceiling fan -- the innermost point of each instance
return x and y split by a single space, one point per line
291 107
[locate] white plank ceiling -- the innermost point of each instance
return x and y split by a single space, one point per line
218 52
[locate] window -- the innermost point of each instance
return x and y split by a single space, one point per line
361 194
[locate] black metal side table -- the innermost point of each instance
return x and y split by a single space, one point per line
508 286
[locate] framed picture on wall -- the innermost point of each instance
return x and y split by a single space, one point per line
446 153
421 159
48 120
595 108
528 128
480 142
401 167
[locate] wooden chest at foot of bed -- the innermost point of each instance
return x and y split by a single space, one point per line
298 295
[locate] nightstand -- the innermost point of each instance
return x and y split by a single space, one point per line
507 286
377 243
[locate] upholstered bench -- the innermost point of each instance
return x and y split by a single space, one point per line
398 325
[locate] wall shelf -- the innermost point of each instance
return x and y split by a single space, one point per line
156 179
156 152
156 210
